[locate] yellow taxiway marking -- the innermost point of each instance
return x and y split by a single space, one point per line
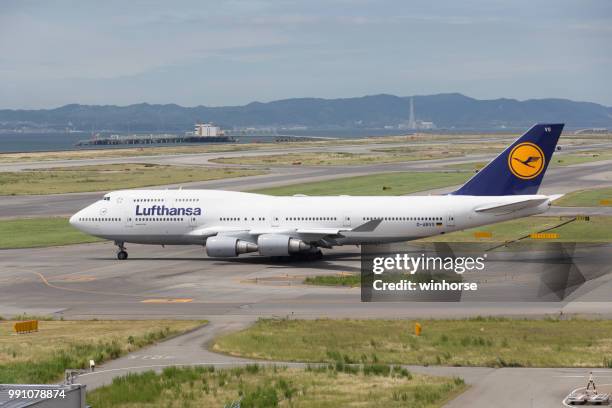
46 282
148 298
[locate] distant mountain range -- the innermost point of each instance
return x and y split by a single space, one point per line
446 111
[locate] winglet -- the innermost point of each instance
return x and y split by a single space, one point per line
368 226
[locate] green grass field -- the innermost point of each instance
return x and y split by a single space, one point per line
344 279
598 229
601 197
376 184
40 232
581 157
42 356
108 177
257 386
492 342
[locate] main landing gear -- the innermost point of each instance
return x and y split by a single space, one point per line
122 254
317 255
311 255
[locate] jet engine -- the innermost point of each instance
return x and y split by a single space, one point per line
227 247
280 245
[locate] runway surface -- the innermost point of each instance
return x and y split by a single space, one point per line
86 281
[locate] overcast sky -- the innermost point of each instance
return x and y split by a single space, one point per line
234 52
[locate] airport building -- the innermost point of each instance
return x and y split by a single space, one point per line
207 130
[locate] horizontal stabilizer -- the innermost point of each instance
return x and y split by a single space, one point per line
511 207
555 197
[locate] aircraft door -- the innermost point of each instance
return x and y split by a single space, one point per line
127 213
450 220
347 221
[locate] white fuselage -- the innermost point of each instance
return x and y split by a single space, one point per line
191 216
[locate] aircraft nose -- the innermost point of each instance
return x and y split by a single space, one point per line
74 220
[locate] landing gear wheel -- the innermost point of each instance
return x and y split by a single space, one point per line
313 255
122 254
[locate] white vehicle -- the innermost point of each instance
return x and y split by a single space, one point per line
578 398
232 223
599 399
587 397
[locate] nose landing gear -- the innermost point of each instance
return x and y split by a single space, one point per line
122 254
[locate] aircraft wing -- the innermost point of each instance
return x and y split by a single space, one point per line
309 234
211 231
321 232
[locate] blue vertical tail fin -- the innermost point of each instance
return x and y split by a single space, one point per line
520 168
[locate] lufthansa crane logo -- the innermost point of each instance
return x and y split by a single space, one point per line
526 161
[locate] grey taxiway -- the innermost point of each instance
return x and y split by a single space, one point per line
86 281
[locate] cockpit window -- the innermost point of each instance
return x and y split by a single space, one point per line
106 198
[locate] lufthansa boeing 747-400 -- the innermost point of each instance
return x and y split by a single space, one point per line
232 223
